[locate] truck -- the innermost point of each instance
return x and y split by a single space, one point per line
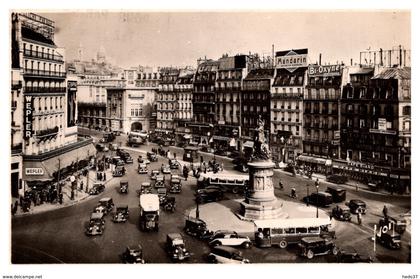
149 212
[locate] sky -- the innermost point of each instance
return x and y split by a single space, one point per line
179 39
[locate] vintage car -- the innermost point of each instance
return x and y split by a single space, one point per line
119 171
145 188
176 185
357 206
128 159
197 228
101 147
209 194
229 238
152 156
321 199
160 181
121 214
133 255
163 194
104 206
316 246
113 146
389 239
142 169
117 161
175 247
154 174
165 169
350 255
174 164
96 224
142 160
394 223
96 189
342 214
170 204
338 194
226 254
124 187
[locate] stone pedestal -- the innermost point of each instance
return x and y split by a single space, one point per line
260 202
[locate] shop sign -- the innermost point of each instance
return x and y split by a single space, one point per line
27 122
385 132
382 124
324 71
34 171
337 135
292 60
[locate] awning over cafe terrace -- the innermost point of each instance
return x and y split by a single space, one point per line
45 169
313 160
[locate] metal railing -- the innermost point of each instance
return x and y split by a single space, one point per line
45 89
43 55
36 72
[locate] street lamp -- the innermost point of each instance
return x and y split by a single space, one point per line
317 188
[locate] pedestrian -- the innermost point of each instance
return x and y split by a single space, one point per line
281 185
81 185
385 212
359 217
221 166
15 207
104 176
60 198
317 182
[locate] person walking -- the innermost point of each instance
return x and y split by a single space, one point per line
385 212
281 185
104 176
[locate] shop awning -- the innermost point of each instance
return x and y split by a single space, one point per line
310 159
221 138
44 170
249 144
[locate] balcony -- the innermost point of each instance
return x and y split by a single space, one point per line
46 133
42 73
293 96
43 55
227 89
45 89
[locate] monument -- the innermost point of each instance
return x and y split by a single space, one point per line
260 201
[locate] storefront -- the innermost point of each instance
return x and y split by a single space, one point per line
316 164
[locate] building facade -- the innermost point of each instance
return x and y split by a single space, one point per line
48 136
256 91
228 87
202 126
166 100
184 106
287 105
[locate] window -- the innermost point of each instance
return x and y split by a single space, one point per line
407 110
276 231
363 92
362 123
289 231
301 230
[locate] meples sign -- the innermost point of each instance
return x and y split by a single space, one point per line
326 70
34 171
292 59
27 113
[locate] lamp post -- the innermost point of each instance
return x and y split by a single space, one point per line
317 188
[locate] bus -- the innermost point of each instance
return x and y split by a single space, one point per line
282 232
190 154
234 183
136 138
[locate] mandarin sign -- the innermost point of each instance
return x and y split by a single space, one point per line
324 71
34 171
291 60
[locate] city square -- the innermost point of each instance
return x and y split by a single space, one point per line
257 157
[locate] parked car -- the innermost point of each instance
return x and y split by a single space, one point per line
209 195
338 194
350 255
175 247
96 224
342 214
133 255
174 164
142 169
229 238
357 206
124 187
165 169
152 156
226 254
96 189
121 214
316 246
321 199
337 179
197 228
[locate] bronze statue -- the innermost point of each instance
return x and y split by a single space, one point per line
261 150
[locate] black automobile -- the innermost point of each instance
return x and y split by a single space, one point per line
322 199
96 189
121 214
209 195
124 187
317 246
357 206
226 255
341 213
133 255
170 204
152 156
176 186
197 228
338 194
350 255
389 239
174 164
175 247
96 225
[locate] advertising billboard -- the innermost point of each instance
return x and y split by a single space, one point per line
325 70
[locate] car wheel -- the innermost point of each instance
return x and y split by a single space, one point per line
235 190
283 244
217 243
246 245
335 251
309 254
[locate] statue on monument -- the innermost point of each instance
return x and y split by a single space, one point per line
261 150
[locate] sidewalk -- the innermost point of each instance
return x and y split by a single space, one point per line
66 190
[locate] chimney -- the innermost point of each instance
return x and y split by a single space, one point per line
400 56
405 52
374 58
351 61
381 58
320 56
